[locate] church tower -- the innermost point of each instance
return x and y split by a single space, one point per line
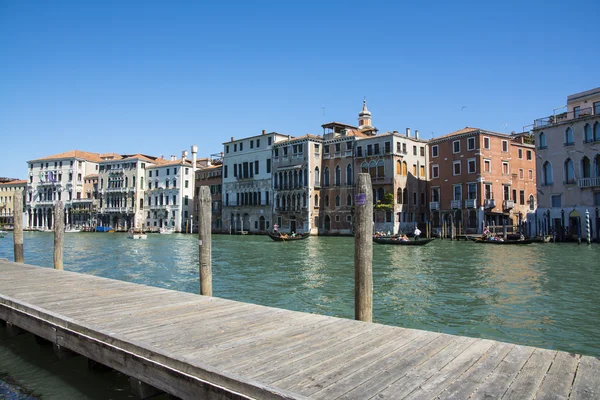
364 118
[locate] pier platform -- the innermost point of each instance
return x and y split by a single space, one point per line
197 347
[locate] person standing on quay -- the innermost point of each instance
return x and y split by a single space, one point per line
417 233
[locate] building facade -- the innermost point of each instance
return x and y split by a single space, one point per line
247 183
568 168
8 189
296 172
481 178
60 177
212 176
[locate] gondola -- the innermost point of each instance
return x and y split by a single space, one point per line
277 237
390 240
487 241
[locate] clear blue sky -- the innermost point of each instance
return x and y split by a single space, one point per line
156 77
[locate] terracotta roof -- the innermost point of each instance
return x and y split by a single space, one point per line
93 157
15 182
113 156
144 158
467 129
166 163
211 167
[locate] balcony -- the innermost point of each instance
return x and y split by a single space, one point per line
455 204
508 204
348 153
434 205
382 180
118 210
589 182
489 203
470 203
562 117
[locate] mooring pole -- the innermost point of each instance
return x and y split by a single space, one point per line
59 234
18 226
363 250
204 240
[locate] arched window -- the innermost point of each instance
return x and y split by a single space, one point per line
398 167
569 171
304 200
300 179
305 177
174 183
338 175
326 177
587 133
349 175
296 180
569 137
373 169
167 184
276 181
542 142
586 168
337 201
547 174
531 202
126 182
399 196
349 200
380 169
133 182
326 201
596 131
404 168
364 168
316 201
317 177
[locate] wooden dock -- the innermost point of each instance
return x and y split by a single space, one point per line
194 347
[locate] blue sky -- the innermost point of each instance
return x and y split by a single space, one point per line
155 77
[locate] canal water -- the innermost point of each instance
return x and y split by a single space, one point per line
543 295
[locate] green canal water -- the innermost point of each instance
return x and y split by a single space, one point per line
543 295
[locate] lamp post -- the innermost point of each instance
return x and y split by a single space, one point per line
562 221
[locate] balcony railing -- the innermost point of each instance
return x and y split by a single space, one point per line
508 204
489 203
434 205
562 117
121 210
455 204
470 203
589 182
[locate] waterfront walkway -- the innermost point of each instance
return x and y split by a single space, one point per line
193 346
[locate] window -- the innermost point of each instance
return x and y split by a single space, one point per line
186 184
597 109
435 171
569 137
489 193
486 143
414 150
326 201
422 171
471 166
531 203
338 176
556 200
257 143
337 200
388 147
520 152
252 144
569 171
414 169
235 147
269 140
471 191
546 174
529 155
256 167
225 172
456 146
349 175
505 168
542 141
530 174
587 133
487 166
522 197
422 151
505 146
349 200
457 192
456 168
521 173
241 146
268 165
359 151
471 143
316 201
576 112
434 151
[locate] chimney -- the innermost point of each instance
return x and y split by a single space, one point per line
194 157
416 133
184 155
407 132
173 158
395 132
232 138
264 132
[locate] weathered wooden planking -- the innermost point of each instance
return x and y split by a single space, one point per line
202 347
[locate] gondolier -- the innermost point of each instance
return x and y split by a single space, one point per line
417 233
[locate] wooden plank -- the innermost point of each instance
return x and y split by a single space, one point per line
499 380
530 377
559 380
587 382
441 378
405 384
466 384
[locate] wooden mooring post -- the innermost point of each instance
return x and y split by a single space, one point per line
204 240
18 226
363 250
59 234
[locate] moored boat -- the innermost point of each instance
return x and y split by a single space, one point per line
397 241
166 230
104 229
136 234
284 237
487 241
72 230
